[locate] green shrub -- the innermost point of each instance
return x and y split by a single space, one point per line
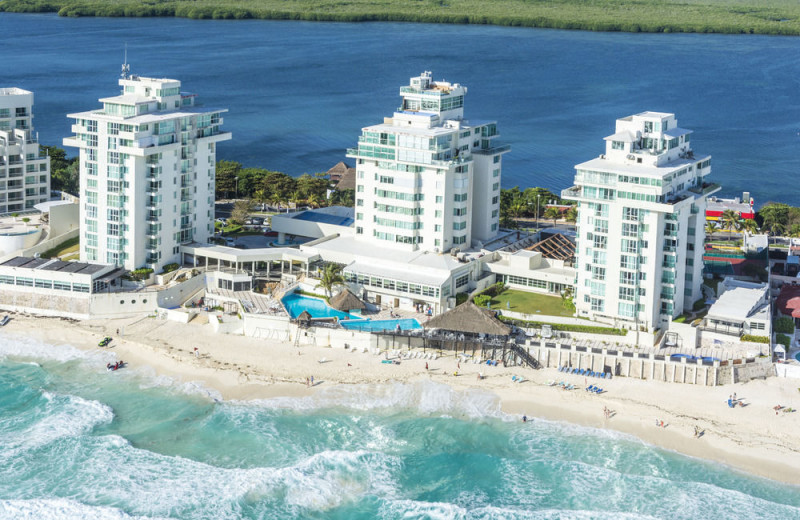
755 339
140 274
168 268
784 325
461 298
698 305
784 340
481 300
590 329
680 319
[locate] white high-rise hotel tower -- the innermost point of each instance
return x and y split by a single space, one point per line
24 171
147 165
641 216
428 179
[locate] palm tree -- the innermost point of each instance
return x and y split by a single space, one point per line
314 200
275 201
778 229
571 215
552 213
749 225
567 295
729 220
331 277
711 228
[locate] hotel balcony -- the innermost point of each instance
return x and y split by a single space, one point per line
493 151
706 189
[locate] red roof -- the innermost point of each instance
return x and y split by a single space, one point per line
788 302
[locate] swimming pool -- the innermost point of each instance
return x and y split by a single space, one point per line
797 356
297 303
370 326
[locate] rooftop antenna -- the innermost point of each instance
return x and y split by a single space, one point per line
126 69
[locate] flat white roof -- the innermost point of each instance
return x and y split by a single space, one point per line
407 275
44 207
147 118
608 166
624 136
13 91
374 253
738 303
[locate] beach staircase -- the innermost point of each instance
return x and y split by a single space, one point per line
524 356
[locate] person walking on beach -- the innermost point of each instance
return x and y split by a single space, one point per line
312 380
196 352
426 365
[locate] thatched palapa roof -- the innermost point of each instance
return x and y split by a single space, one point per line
468 317
304 316
343 175
346 301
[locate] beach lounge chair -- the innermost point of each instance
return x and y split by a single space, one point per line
598 390
323 360
435 357
590 388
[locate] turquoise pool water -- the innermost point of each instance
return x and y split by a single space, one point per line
297 303
797 356
369 325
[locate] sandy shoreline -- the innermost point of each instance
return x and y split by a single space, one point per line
751 438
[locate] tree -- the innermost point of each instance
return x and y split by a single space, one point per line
572 215
567 298
553 214
711 228
749 225
774 213
345 197
226 174
241 210
729 220
63 171
330 278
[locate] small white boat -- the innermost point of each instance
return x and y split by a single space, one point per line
4 320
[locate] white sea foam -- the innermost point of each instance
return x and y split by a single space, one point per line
150 379
423 397
24 347
161 484
63 416
60 509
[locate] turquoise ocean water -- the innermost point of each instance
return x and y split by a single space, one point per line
79 442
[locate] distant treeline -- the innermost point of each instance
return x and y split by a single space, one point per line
778 17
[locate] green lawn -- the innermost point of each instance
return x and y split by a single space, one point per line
700 16
69 246
529 303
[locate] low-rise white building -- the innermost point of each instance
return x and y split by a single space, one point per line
741 308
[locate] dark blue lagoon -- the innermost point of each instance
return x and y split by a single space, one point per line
300 92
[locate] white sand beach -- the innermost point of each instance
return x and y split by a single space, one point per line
755 437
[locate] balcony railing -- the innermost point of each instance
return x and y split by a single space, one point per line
493 151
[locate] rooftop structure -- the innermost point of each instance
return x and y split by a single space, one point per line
742 308
55 275
743 207
24 168
640 241
428 179
147 176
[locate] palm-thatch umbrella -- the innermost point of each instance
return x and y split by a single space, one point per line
469 318
346 301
